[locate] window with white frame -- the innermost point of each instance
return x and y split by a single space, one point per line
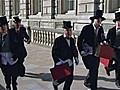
39 5
70 4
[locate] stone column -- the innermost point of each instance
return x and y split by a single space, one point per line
2 7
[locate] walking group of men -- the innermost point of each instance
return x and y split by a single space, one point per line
12 51
91 36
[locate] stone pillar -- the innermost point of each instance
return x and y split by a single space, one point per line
2 7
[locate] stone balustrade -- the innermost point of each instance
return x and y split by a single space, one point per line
45 32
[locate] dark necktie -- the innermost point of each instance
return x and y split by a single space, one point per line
3 39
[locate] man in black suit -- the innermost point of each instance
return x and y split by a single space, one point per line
113 38
90 37
9 65
64 50
18 35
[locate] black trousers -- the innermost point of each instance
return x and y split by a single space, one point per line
10 73
92 64
67 81
116 65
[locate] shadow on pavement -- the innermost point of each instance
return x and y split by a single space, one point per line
1 87
76 77
102 88
48 77
43 76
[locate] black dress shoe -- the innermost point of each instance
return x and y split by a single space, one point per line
15 88
107 71
117 83
8 89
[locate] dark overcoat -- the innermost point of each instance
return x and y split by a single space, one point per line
17 42
62 50
111 36
87 35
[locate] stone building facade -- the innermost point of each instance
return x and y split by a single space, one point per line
58 10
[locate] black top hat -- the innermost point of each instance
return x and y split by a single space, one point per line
98 14
117 17
3 20
16 19
67 24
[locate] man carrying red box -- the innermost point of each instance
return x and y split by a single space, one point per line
63 51
113 38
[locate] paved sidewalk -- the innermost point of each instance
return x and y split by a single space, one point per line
38 63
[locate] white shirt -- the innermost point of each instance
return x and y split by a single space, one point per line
117 31
96 29
68 40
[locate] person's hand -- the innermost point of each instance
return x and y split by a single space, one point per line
101 43
59 63
14 58
105 43
83 53
27 41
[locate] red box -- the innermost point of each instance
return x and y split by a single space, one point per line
60 71
104 61
105 52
